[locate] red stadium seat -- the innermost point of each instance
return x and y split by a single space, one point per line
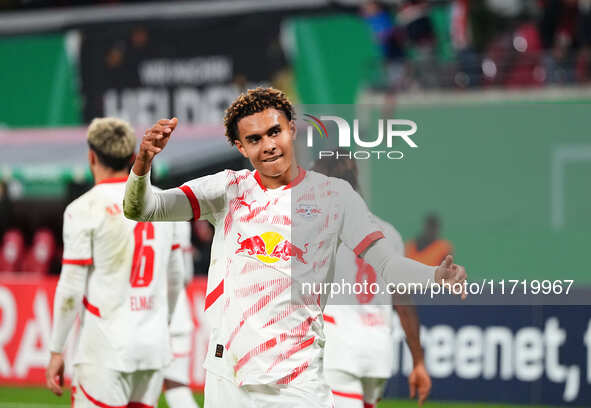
39 256
11 250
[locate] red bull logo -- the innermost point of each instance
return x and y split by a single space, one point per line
270 247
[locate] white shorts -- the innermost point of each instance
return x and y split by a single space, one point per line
97 386
178 369
223 393
354 392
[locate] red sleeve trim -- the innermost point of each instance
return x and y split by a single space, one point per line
87 261
214 295
193 200
98 403
90 307
348 395
175 246
328 319
367 241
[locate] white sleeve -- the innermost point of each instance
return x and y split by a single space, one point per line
359 229
396 268
67 304
199 198
142 203
175 272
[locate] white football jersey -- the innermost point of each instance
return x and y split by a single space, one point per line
359 334
267 245
124 322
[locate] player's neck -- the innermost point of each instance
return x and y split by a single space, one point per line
102 174
281 180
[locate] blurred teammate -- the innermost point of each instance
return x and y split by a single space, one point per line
268 347
176 376
127 275
358 351
428 248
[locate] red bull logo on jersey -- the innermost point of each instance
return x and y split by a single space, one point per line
270 247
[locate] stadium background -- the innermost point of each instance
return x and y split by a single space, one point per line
504 156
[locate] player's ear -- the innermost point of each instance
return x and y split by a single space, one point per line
292 129
240 148
91 158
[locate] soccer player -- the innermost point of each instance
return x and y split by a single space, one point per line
176 376
275 227
126 274
358 351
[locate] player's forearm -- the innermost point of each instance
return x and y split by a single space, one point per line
142 203
409 320
66 304
395 268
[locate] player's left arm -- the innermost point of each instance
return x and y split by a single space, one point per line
419 381
67 303
364 237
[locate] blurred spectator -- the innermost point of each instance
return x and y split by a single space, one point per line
583 63
558 28
414 15
390 39
428 247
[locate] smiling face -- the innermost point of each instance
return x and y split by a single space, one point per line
266 139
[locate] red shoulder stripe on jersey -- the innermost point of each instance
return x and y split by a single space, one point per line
214 295
329 319
348 395
367 241
87 261
294 374
135 404
90 307
113 180
193 200
97 402
175 246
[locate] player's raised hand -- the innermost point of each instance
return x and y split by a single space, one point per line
153 142
419 383
55 373
451 273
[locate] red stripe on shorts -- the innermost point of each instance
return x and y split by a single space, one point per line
348 395
97 402
91 308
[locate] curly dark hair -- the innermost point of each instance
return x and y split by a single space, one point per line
254 101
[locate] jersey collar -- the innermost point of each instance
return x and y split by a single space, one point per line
294 182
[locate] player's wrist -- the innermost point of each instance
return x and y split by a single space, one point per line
418 361
141 166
